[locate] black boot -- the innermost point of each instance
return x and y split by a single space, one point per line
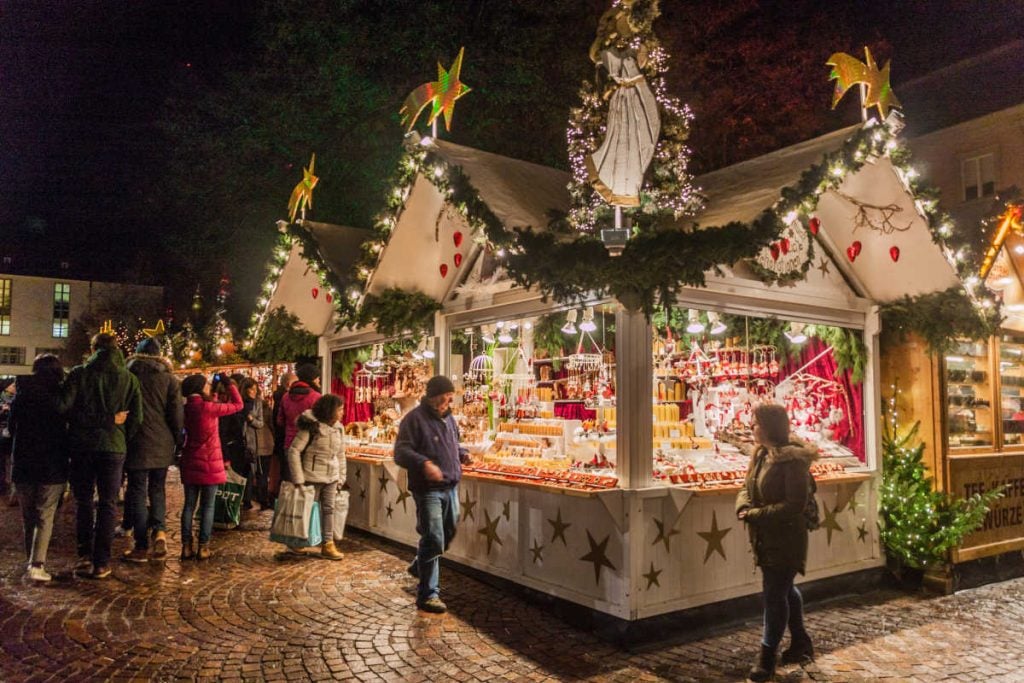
764 669
800 650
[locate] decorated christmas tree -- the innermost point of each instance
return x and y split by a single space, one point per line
919 525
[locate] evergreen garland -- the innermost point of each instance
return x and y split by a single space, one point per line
282 338
939 318
919 526
397 312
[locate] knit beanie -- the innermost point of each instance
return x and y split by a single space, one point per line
438 385
193 384
149 347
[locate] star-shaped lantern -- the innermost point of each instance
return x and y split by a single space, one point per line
302 195
847 71
156 331
440 94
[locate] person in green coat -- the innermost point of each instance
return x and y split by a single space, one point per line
92 397
771 504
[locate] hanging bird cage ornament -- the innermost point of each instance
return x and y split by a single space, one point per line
364 386
517 381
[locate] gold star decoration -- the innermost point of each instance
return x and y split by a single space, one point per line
652 576
156 331
823 267
862 532
536 550
559 527
467 508
830 522
490 530
662 536
714 538
389 510
506 510
383 481
402 497
847 71
597 556
440 94
302 195
107 328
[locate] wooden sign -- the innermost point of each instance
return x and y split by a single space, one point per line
1003 529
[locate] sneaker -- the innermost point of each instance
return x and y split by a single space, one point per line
137 555
83 567
433 605
101 573
39 574
121 532
159 544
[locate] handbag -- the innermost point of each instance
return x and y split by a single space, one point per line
296 517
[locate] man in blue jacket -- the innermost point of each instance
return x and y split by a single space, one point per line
428 447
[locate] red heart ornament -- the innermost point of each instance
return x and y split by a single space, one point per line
814 225
458 259
856 248
315 292
444 270
774 249
329 297
784 245
894 254
457 238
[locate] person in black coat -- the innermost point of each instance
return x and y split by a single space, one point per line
40 456
151 451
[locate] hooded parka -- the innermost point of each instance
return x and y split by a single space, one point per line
92 393
774 496
153 445
317 454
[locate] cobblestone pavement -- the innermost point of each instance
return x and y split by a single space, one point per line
245 616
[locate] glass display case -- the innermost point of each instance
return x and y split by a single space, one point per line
969 392
1011 388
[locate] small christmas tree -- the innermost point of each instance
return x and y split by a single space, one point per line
919 525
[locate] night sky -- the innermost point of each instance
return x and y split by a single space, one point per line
83 81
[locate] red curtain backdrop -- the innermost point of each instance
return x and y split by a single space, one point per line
850 432
354 412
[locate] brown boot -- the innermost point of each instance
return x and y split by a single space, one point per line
159 544
188 549
204 552
328 551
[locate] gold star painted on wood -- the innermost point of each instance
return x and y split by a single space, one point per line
383 481
862 532
662 536
156 331
389 510
506 510
830 522
490 530
536 550
559 527
597 556
652 576
467 508
402 497
714 538
823 267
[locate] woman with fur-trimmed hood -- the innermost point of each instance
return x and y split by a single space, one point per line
771 504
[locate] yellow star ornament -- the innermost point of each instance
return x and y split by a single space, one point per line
302 195
440 94
107 328
154 331
847 71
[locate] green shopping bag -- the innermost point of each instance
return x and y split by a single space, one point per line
227 507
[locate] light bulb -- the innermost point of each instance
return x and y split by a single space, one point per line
588 324
795 334
695 326
505 337
570 322
717 326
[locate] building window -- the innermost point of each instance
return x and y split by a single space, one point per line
61 309
12 355
979 176
5 306
57 351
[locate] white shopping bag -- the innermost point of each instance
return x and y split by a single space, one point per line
292 512
340 514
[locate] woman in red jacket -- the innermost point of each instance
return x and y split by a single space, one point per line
202 463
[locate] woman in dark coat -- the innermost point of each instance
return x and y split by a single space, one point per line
40 456
772 503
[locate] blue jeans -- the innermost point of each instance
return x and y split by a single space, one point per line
783 605
205 496
143 483
100 473
437 512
